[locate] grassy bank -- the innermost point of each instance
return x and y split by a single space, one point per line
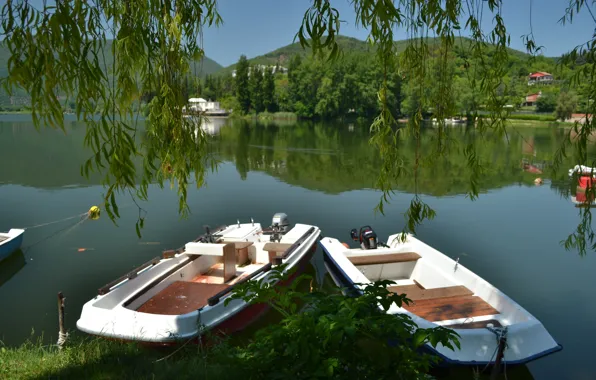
271 116
92 358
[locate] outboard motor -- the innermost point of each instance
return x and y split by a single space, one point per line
367 237
280 225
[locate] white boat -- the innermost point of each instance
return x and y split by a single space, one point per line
444 293
10 241
177 297
582 170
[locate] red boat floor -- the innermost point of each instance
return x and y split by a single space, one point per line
181 297
443 304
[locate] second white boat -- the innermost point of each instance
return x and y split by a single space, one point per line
444 293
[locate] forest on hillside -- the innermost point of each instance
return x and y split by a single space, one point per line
317 88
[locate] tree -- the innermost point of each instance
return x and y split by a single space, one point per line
256 88
154 44
242 86
566 104
546 102
269 90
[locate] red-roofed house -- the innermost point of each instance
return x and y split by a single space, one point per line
541 77
532 99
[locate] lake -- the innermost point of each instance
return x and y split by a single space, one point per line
318 173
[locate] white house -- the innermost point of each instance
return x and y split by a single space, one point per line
274 69
200 104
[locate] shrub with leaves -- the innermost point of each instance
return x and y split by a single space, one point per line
335 336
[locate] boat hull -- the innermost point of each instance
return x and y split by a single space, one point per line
101 317
343 280
12 244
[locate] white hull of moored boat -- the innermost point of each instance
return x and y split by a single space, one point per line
444 293
177 298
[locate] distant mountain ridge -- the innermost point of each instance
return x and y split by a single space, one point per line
206 66
283 54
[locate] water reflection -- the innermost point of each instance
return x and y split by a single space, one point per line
11 266
327 157
324 157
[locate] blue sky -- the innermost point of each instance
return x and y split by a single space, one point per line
255 27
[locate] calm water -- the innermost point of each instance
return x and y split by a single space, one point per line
318 174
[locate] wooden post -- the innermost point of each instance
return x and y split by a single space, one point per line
500 352
62 332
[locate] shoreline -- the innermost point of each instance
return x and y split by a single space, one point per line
291 116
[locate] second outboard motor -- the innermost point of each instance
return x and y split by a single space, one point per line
367 237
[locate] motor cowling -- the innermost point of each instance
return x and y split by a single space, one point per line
279 226
367 237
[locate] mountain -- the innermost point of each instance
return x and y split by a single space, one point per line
284 54
206 66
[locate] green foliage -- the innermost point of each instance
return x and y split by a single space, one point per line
546 103
566 104
230 103
242 85
155 41
151 51
335 337
256 89
269 90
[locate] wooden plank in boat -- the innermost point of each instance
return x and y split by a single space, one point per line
441 309
181 297
414 292
276 247
243 244
242 251
229 262
384 259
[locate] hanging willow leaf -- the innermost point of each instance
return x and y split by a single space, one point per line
154 41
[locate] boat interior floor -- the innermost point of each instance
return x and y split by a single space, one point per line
447 303
2 238
181 297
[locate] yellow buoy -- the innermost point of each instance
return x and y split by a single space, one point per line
94 212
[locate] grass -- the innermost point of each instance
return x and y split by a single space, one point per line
93 358
99 359
272 116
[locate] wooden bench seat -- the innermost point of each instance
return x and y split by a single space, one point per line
276 251
384 259
416 293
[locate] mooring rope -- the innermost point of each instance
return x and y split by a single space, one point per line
67 229
54 222
62 337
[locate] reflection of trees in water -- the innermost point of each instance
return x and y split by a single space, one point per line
336 157
331 157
